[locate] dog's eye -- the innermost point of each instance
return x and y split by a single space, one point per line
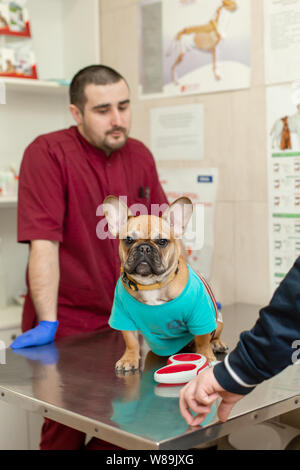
129 241
162 242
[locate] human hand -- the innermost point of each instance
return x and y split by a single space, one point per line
199 394
43 333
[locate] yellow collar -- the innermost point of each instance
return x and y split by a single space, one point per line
133 285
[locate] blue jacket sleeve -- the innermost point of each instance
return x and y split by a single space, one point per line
269 347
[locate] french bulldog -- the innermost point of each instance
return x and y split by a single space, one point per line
153 273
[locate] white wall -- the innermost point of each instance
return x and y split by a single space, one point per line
22 119
235 142
65 36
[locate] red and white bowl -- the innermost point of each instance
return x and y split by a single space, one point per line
191 358
181 368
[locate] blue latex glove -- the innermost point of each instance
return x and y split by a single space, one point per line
44 333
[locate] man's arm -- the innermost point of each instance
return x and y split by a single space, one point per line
267 348
43 272
261 353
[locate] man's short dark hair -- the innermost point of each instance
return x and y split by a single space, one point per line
96 74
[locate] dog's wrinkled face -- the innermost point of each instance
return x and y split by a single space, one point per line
147 247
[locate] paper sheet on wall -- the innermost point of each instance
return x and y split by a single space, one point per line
177 39
177 132
282 40
284 179
200 185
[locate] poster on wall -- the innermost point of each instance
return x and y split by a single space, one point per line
200 185
283 124
282 40
193 46
177 132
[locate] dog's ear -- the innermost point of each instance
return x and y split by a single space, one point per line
116 213
178 215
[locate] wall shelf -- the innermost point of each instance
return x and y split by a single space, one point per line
33 86
11 317
8 201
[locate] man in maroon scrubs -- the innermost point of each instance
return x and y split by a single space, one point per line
64 177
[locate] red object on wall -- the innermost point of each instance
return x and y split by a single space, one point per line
21 75
24 34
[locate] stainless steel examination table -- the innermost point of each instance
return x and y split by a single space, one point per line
73 381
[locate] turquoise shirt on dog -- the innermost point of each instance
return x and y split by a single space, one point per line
168 327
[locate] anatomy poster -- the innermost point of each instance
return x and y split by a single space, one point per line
282 40
283 123
200 185
193 46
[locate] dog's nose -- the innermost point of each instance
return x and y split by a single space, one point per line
144 249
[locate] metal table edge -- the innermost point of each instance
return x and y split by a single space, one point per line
85 424
209 433
130 441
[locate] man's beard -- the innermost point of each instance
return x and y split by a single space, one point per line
107 146
113 144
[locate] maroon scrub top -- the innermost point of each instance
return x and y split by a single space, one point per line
63 181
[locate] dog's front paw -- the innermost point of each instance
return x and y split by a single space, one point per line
130 361
207 353
210 357
218 346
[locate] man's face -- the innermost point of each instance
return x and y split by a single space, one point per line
105 121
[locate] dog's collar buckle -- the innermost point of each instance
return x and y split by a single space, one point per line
131 284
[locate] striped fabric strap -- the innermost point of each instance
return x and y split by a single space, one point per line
211 295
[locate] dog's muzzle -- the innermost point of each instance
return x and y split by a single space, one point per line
144 260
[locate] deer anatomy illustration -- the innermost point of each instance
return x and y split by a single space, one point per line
282 129
204 37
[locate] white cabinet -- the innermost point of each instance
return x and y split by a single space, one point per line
19 429
35 423
13 427
13 420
